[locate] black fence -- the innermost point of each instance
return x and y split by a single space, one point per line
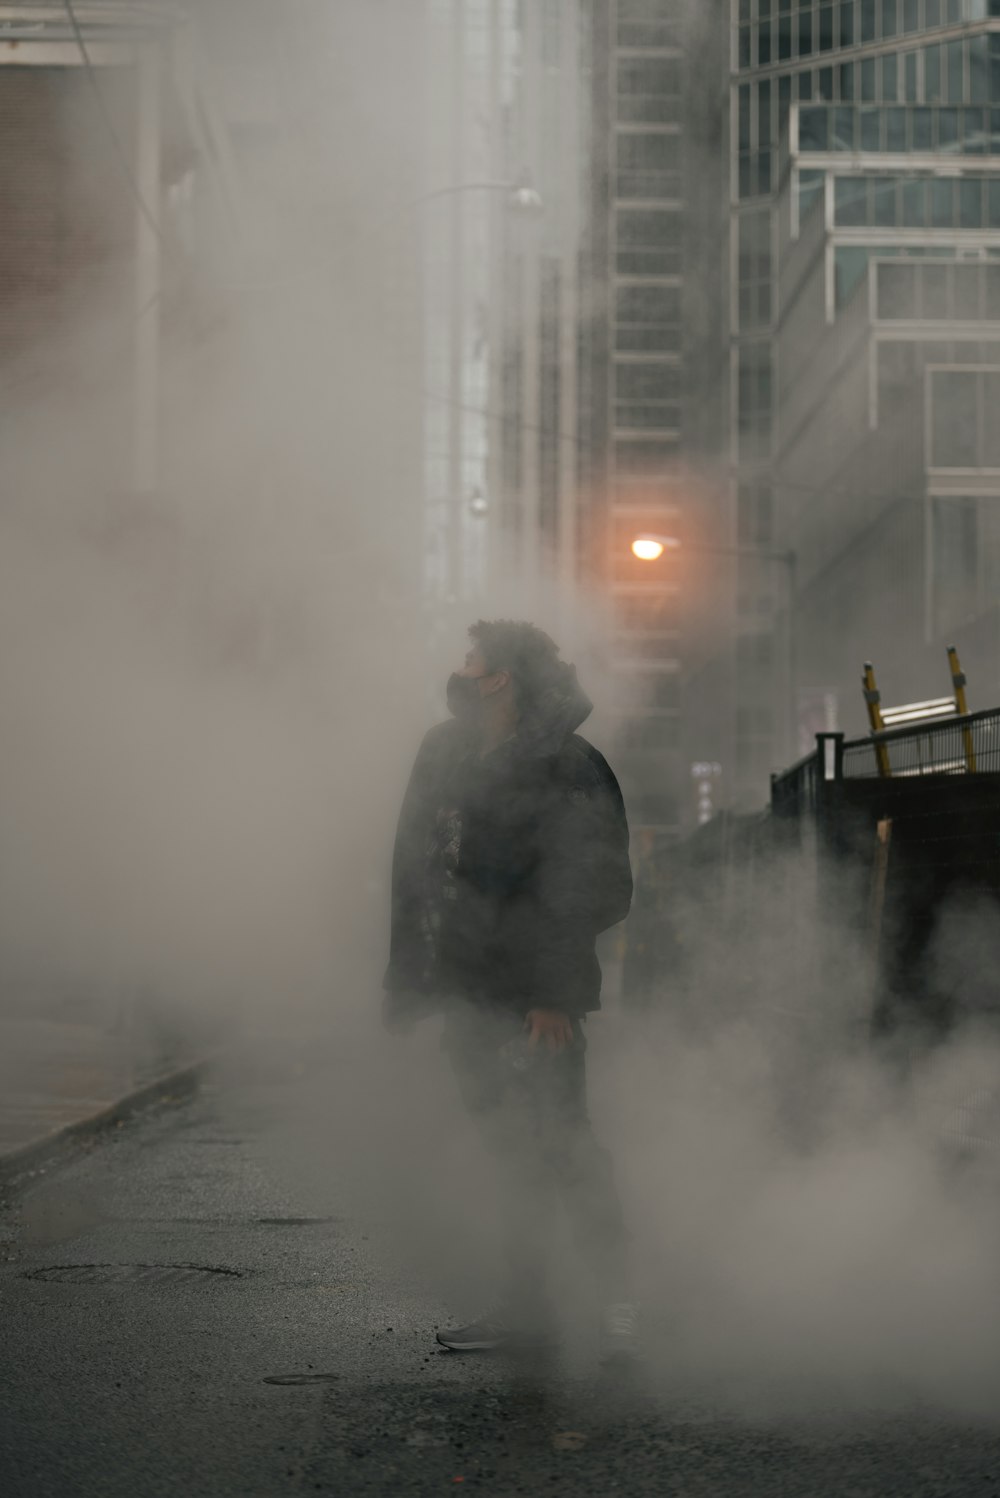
887 846
968 745
904 829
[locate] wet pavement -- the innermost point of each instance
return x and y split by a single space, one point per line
64 1060
188 1309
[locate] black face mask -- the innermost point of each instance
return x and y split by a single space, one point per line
463 697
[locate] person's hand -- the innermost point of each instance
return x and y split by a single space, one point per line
549 1026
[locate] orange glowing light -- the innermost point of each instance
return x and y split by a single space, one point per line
647 549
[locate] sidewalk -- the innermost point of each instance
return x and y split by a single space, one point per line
64 1066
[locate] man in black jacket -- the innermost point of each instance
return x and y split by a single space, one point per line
511 857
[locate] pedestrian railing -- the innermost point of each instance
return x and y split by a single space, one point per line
954 746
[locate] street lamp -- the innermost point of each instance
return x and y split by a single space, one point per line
523 198
650 547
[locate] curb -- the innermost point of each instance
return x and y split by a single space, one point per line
27 1157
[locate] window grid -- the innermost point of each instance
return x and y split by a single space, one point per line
771 31
963 75
967 202
900 128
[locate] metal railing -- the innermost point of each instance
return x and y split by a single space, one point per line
953 746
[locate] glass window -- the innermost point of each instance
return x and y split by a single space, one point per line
805 33
744 117
648 242
895 129
645 416
850 263
754 382
784 37
923 129
826 83
648 88
871 129
825 28
648 152
953 11
888 18
954 421
884 190
910 77
897 291
934 291
647 304
847 80
955 559
764 172
955 63
974 131
932 75
889 76
992 290
993 202
811 192
979 70
942 203
989 455
970 202
784 100
968 279
948 129
642 457
764 134
868 14
806 84
764 44
843 129
911 15
868 80
814 133
744 47
648 228
914 203
847 23
932 12
850 201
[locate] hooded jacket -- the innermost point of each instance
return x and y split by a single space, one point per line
508 866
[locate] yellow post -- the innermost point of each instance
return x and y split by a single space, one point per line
962 707
872 701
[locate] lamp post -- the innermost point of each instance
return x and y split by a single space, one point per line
650 547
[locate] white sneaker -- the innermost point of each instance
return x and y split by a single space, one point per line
619 1331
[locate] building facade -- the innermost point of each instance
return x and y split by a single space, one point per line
860 131
649 342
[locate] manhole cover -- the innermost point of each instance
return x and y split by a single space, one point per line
85 1274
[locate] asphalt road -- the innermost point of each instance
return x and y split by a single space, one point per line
296 1354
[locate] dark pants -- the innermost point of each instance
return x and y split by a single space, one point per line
534 1123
